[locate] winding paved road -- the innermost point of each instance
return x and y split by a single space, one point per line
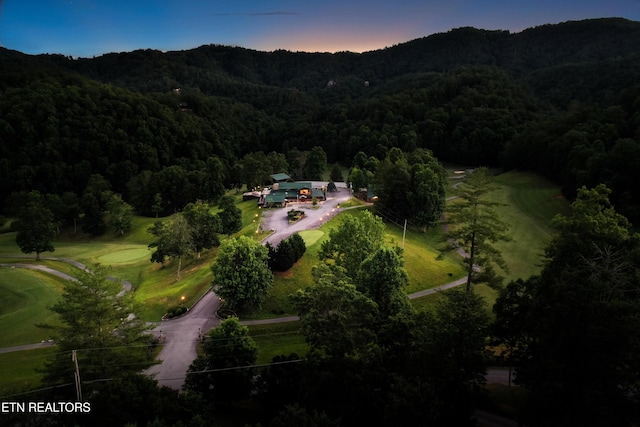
180 335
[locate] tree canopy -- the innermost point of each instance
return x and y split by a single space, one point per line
174 239
98 319
573 327
179 124
204 226
35 229
241 274
353 241
223 373
335 316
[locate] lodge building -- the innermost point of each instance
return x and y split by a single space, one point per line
284 190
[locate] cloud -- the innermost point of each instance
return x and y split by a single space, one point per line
274 13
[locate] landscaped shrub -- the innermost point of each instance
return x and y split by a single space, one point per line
225 313
298 246
176 311
285 256
294 215
288 252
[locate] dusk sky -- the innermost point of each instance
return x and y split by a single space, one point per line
88 28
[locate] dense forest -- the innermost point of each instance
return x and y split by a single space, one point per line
561 100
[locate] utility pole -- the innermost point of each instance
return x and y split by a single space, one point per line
76 375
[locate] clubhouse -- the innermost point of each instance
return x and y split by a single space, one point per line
284 190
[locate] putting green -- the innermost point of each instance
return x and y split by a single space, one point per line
311 236
125 256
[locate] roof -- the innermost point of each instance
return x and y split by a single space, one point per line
280 177
274 198
293 185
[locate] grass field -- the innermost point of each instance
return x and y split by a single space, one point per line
18 370
420 254
530 201
530 204
311 236
276 339
26 294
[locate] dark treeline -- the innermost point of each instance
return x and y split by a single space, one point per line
561 100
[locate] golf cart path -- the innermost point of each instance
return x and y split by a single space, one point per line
179 336
126 285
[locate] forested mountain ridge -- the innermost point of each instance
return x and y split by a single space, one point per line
516 53
558 99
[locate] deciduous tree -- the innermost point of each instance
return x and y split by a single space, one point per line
35 227
241 274
204 226
393 184
458 328
335 316
94 203
358 179
353 241
382 278
315 164
575 326
230 215
119 214
336 173
224 371
427 195
173 240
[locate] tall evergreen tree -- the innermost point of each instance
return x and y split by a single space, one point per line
315 164
474 226
98 319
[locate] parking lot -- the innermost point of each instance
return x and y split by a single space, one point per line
276 218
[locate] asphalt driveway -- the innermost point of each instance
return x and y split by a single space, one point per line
276 218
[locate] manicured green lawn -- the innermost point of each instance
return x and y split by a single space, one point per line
421 261
18 370
277 339
311 236
424 270
159 289
531 203
26 294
